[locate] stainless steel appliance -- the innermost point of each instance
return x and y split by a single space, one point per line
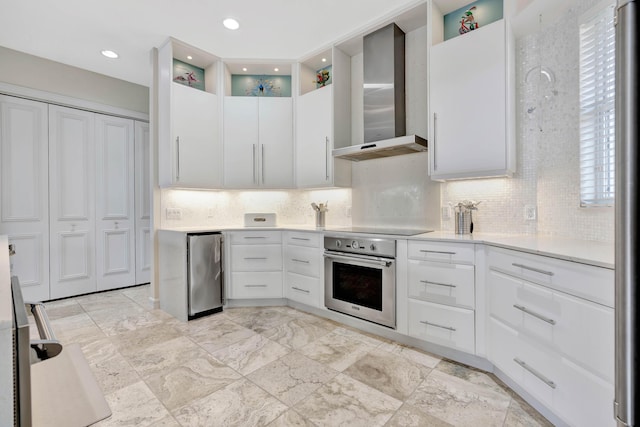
384 100
360 278
383 231
205 273
626 206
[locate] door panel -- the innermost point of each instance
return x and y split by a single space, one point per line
72 202
24 191
276 142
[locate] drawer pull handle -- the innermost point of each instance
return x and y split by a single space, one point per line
300 238
255 258
426 282
254 237
437 252
300 260
534 314
537 374
537 270
449 328
255 286
301 290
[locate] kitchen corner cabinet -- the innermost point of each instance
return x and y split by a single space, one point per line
551 330
190 150
323 122
471 104
255 260
258 142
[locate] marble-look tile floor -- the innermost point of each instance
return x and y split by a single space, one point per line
270 366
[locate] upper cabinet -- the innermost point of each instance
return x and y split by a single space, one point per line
190 150
258 126
323 120
471 95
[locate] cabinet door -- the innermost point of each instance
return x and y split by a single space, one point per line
115 222
313 138
468 102
143 203
24 188
197 149
241 145
72 201
276 142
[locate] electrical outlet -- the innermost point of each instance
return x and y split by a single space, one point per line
530 212
347 211
174 213
446 212
211 213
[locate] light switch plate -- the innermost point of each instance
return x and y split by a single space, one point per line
446 212
174 213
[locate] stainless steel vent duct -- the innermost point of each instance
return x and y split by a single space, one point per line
384 100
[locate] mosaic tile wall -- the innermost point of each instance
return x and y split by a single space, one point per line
547 146
227 208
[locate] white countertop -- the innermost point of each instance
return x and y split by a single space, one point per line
600 254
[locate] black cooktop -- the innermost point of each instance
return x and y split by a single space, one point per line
379 230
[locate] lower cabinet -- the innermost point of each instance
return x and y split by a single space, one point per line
303 263
255 264
557 346
441 291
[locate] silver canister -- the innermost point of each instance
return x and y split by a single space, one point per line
321 210
464 218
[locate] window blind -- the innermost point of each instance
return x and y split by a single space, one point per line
597 107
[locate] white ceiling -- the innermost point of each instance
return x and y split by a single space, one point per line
75 31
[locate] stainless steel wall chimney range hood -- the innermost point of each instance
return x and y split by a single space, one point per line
384 100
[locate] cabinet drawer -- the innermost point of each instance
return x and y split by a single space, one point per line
576 328
256 237
442 252
303 289
256 285
301 260
573 393
256 258
448 326
451 284
312 240
593 283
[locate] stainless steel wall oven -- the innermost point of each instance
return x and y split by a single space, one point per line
360 278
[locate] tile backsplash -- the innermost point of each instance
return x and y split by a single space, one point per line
547 144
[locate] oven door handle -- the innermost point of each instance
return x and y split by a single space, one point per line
360 258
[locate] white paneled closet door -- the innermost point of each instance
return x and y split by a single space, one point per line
115 235
24 178
71 201
143 203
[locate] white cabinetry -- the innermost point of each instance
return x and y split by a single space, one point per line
441 291
255 264
471 103
303 263
558 344
190 151
24 182
258 142
323 122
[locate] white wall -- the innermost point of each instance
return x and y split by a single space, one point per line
547 174
21 69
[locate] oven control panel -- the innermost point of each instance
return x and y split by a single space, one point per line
364 246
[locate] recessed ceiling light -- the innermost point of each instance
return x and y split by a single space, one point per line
244 68
324 59
276 69
109 54
189 57
231 24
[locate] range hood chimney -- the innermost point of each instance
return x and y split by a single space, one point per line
384 100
